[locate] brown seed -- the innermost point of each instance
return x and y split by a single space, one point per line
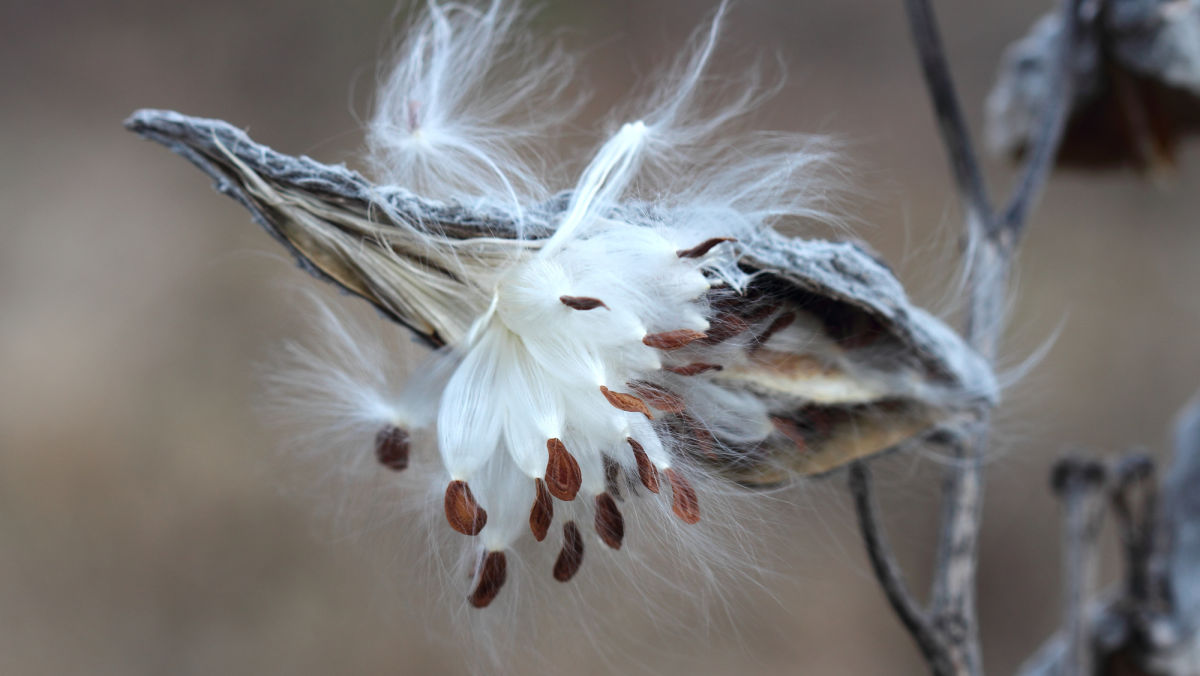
626 402
658 396
464 514
610 525
703 247
571 555
612 475
646 471
671 340
391 447
706 444
695 368
542 512
792 431
723 328
582 302
562 471
683 497
492 574
780 323
758 312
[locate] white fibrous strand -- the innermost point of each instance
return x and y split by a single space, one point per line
583 384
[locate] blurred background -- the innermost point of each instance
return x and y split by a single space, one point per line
149 523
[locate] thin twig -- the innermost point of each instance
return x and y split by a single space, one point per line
953 125
1080 486
890 576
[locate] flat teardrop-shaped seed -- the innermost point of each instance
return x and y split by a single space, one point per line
542 512
626 402
695 368
563 477
705 442
646 471
703 247
582 302
610 525
658 396
671 340
571 555
723 328
464 514
683 497
492 574
780 323
792 431
759 312
612 477
391 448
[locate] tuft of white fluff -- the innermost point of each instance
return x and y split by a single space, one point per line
571 332
465 111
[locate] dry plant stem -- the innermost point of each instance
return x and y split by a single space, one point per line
991 242
1080 485
891 577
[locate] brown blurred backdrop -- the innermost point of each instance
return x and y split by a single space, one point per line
146 524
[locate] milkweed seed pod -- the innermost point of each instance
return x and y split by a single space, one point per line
592 348
1135 72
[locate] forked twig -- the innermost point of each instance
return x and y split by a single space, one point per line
891 577
992 236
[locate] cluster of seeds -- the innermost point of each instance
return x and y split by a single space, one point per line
560 360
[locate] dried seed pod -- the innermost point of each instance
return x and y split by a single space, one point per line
1135 92
570 557
891 371
563 477
610 525
391 448
464 514
492 575
542 512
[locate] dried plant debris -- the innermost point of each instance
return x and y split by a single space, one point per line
1149 623
1136 80
821 338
